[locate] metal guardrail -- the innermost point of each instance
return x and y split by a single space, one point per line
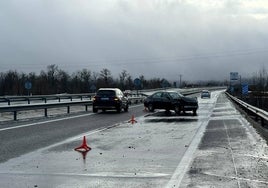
25 107
133 98
88 96
257 112
45 98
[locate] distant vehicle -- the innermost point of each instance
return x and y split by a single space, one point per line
127 92
170 100
110 99
205 94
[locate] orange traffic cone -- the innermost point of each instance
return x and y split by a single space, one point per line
84 146
132 120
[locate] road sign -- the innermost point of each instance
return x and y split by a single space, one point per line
244 89
28 85
137 82
232 89
234 76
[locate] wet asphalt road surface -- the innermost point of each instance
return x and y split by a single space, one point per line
42 133
216 148
231 153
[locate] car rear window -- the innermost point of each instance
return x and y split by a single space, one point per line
106 93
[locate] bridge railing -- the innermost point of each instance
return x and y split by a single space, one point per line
256 112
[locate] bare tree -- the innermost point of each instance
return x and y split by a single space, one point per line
63 80
85 78
122 78
52 71
105 77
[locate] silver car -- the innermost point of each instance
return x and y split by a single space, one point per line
205 94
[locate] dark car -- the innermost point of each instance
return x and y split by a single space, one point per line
171 101
110 99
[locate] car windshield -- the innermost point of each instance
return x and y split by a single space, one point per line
106 93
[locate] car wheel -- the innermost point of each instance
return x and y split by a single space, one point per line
151 107
177 109
167 112
126 108
95 110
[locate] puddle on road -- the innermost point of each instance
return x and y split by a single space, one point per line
171 114
223 110
170 120
171 117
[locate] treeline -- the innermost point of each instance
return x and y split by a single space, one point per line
55 81
259 81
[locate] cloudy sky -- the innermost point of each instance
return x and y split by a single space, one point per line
199 39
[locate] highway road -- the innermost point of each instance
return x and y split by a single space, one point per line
18 138
216 148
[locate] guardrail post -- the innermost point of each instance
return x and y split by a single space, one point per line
28 101
86 107
68 109
15 115
45 112
8 102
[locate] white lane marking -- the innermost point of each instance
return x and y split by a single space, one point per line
43 122
101 174
36 153
188 156
50 121
75 138
181 169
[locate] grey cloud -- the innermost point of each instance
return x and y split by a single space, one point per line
154 38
